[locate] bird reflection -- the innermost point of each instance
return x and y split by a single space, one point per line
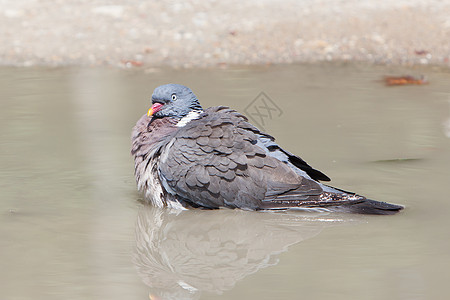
180 254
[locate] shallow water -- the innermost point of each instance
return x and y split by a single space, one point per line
71 225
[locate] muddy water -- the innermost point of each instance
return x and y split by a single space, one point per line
71 225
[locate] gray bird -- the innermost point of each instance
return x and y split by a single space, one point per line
186 156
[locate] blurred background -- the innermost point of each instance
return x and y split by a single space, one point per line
210 33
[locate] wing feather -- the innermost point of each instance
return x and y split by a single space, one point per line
217 160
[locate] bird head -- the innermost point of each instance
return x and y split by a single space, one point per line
173 100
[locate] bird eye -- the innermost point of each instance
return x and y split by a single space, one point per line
174 97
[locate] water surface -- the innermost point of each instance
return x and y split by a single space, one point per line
71 225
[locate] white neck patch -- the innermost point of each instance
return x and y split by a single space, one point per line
192 115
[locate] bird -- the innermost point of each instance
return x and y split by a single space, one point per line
187 157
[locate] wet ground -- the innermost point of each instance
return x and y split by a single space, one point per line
71 225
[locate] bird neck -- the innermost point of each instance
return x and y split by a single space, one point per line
192 115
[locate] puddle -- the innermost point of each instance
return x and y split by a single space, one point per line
71 225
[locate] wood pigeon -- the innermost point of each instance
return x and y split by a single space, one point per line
186 156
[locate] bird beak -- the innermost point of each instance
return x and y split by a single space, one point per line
155 107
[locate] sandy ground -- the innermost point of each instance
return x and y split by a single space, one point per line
196 33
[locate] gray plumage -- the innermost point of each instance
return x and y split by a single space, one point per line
186 156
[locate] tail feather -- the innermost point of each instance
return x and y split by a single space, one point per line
370 207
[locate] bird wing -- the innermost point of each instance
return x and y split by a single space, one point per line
218 160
